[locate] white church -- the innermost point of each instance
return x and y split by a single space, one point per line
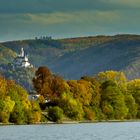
22 60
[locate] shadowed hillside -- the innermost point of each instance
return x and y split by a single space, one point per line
74 57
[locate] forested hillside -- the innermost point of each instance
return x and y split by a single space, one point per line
74 57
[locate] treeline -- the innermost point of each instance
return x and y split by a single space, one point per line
106 96
15 106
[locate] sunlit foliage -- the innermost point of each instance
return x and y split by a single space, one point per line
15 106
107 95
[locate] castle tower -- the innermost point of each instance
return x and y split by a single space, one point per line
22 60
22 52
26 58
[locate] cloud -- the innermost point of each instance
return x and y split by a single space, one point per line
44 6
87 17
47 6
52 6
123 3
52 18
67 24
46 19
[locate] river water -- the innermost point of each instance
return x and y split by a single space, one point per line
90 131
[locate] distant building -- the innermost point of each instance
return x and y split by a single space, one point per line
46 38
21 60
35 97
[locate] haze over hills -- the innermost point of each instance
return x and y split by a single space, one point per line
75 57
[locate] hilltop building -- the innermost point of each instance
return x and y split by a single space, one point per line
22 60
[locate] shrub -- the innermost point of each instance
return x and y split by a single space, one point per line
55 114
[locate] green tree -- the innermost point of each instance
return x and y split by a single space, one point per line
34 114
133 87
24 111
17 115
131 105
55 114
112 101
72 107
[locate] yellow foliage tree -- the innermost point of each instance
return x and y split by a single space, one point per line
8 106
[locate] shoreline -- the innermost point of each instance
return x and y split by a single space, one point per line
74 122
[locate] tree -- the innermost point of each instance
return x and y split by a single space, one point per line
111 75
24 111
133 87
34 114
3 85
131 105
112 101
15 105
81 91
72 107
6 107
55 114
115 76
40 80
96 97
89 114
17 115
47 84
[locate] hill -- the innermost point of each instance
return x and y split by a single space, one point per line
75 57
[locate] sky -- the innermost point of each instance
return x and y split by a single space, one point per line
26 19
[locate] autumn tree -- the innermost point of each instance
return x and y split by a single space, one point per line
95 100
3 85
116 76
24 111
111 75
40 80
81 91
14 104
47 84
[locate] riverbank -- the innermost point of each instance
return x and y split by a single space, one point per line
74 122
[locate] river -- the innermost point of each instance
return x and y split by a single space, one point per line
85 131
